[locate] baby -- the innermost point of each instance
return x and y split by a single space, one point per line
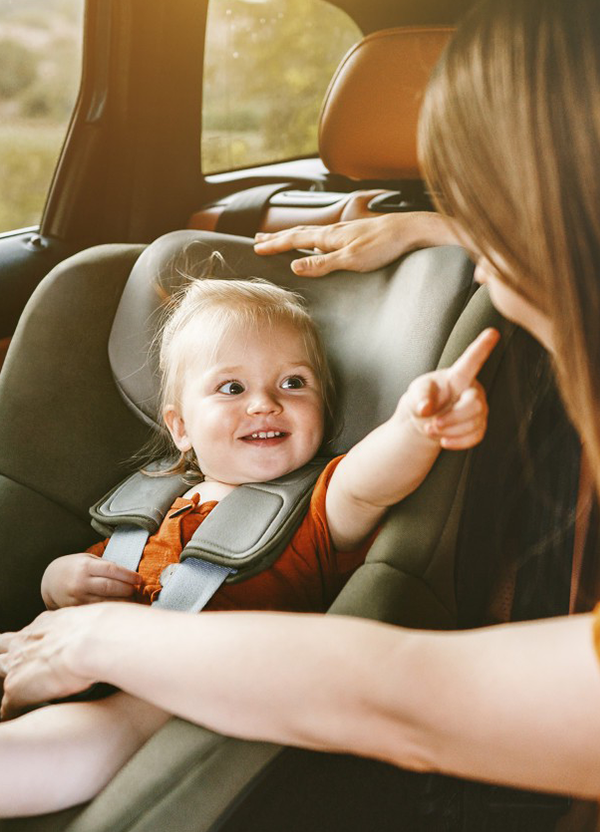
246 397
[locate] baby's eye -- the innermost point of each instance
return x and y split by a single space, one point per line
293 383
231 388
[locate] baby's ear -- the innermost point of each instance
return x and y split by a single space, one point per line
176 427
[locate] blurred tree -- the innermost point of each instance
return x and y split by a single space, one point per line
18 67
53 93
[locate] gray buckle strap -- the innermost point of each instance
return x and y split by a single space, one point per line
189 586
126 546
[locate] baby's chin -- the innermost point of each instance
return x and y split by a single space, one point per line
267 471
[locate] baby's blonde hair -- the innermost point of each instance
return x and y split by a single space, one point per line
201 314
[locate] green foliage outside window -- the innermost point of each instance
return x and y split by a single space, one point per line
17 68
266 69
40 68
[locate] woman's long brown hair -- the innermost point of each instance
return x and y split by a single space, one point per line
510 145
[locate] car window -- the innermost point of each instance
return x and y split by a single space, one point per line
40 67
267 65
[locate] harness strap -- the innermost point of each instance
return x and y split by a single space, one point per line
126 546
190 585
243 535
244 212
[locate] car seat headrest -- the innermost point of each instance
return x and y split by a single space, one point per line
368 124
380 330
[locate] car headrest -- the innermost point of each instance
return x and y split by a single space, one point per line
368 124
380 329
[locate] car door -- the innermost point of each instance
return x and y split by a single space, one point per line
40 71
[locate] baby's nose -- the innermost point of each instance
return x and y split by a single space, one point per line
264 403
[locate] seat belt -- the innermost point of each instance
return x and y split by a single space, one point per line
243 535
243 213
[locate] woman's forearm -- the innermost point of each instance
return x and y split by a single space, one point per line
518 704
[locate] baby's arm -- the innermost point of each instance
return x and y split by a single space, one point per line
444 409
84 578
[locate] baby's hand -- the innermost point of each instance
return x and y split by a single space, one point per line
84 578
450 406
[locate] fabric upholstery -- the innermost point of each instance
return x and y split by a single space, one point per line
65 433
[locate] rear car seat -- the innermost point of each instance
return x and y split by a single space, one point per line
367 137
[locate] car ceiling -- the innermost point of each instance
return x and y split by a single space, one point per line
383 14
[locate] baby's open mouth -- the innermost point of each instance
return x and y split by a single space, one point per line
265 435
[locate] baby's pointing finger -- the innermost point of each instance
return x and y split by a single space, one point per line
464 370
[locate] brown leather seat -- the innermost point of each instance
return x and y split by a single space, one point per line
367 133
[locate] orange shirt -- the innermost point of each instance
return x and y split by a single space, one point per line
305 578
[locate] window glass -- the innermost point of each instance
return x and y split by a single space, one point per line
266 69
40 68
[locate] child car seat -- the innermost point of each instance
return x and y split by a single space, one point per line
76 401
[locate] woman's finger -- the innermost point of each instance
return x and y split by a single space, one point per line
318 265
302 236
6 639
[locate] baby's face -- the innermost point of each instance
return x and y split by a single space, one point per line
255 413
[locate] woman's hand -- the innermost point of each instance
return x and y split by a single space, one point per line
358 245
84 578
41 662
450 406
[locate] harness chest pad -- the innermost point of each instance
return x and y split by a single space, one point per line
246 531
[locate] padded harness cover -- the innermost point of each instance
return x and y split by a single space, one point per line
247 531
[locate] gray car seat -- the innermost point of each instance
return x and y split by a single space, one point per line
77 402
